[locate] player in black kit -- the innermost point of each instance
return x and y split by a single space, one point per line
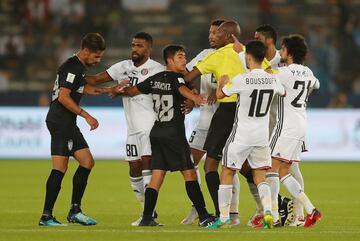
66 138
169 146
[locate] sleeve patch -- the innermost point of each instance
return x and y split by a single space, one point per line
70 78
181 80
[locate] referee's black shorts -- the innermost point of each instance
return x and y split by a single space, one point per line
65 139
220 129
170 154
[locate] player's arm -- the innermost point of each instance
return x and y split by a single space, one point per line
188 94
66 100
238 46
99 78
94 90
221 83
192 75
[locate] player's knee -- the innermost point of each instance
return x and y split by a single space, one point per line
211 165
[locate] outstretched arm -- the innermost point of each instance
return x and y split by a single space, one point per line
94 90
192 75
99 78
222 82
187 93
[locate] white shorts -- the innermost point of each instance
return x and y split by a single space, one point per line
234 156
288 149
197 139
137 145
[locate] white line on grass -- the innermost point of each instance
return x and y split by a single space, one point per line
159 230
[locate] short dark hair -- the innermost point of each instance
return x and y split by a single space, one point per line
257 50
94 42
145 36
217 22
296 47
170 50
268 31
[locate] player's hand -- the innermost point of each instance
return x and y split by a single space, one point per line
119 88
211 99
238 47
187 106
200 100
93 123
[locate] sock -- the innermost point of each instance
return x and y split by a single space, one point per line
213 182
79 184
295 190
146 174
53 186
272 178
265 196
225 194
296 173
198 174
195 195
151 196
234 205
137 186
255 193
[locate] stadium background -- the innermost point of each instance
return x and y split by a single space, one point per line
37 35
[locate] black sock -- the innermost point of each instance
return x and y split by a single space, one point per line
194 193
151 196
79 184
53 186
213 182
249 176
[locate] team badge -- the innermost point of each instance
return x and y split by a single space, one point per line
70 144
144 71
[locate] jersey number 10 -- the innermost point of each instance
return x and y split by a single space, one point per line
257 101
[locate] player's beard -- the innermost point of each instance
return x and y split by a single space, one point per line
137 58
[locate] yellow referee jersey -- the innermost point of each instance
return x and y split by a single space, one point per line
224 61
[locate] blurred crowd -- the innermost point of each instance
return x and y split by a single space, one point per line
38 35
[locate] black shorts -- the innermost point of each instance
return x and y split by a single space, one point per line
65 139
220 129
170 154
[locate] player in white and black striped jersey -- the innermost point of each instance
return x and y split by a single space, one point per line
290 131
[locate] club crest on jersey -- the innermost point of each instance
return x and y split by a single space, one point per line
70 144
144 71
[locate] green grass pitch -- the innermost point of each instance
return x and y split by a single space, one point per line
333 188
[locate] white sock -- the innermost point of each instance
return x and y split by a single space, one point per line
295 190
234 206
298 207
265 195
255 193
198 174
146 176
225 194
138 188
273 179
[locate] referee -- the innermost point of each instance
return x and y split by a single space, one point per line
66 138
223 61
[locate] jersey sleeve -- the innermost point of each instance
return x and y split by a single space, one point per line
67 78
208 64
177 81
279 88
145 86
233 87
117 71
316 84
198 58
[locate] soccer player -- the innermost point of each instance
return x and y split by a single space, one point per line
250 134
198 136
170 149
138 149
267 35
66 138
223 61
290 131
